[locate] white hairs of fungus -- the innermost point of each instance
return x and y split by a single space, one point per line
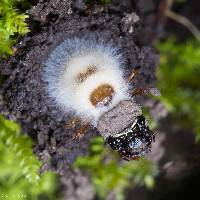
73 57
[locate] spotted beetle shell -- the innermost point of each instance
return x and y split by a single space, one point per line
134 142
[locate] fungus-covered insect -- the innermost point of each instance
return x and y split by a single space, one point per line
86 77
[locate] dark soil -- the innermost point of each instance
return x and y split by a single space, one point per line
23 93
23 97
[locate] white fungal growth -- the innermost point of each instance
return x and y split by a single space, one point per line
86 77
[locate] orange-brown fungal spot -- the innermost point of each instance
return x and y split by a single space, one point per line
102 93
81 77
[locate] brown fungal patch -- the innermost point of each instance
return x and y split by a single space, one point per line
102 93
81 77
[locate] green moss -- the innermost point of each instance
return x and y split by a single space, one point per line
12 23
179 82
109 174
19 168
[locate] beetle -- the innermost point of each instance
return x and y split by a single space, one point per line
86 77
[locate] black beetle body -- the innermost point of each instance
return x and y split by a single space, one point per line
134 142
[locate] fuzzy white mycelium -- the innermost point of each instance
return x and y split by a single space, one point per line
86 77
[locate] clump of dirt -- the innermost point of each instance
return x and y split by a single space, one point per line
24 98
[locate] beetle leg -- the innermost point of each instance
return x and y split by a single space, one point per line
134 73
72 123
81 131
131 158
144 91
141 91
